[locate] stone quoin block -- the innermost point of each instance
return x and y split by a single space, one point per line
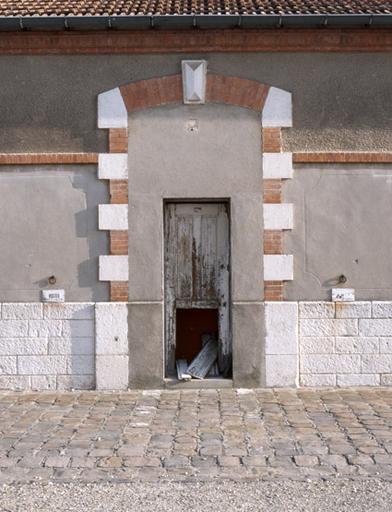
278 216
111 328
375 327
277 166
113 166
317 345
328 327
113 268
281 370
13 328
382 309
113 216
325 379
353 309
21 346
281 326
112 372
277 111
70 311
112 112
358 380
316 309
330 363
21 311
278 267
42 365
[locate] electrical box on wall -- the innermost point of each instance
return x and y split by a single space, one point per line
343 294
53 295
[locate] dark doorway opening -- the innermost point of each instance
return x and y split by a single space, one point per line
191 325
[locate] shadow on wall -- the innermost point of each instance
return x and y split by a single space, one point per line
86 225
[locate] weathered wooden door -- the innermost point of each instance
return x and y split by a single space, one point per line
197 270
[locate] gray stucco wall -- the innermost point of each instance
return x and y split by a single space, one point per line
341 101
342 225
49 227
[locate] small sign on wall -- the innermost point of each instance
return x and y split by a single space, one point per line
343 294
53 295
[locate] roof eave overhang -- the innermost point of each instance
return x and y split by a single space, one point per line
187 22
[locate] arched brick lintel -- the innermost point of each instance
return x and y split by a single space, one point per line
219 89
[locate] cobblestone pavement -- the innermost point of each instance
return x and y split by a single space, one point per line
196 434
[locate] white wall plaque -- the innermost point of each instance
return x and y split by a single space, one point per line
53 295
343 294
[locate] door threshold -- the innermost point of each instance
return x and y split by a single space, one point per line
172 383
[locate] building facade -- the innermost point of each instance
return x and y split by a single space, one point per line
177 174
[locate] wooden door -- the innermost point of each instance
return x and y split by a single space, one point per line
197 259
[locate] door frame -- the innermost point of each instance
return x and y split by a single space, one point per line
224 311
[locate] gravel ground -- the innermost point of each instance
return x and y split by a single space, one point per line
288 496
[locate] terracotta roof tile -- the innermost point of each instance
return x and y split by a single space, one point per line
189 7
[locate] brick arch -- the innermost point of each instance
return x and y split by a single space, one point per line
167 90
274 107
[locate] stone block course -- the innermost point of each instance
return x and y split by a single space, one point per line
330 363
8 365
357 345
70 311
14 328
317 310
358 379
377 363
21 311
382 309
353 309
328 327
23 346
42 365
375 327
317 345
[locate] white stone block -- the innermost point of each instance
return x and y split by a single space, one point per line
112 372
80 364
358 380
385 345
111 328
278 267
21 311
377 363
69 382
42 365
68 346
281 324
382 309
317 345
43 382
325 379
375 327
277 166
70 311
15 383
8 365
78 329
353 309
281 370
13 328
328 327
113 268
317 309
113 166
330 363
112 112
357 345
46 327
277 111
386 380
113 216
278 216
23 346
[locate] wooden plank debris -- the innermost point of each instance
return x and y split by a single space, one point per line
182 366
204 360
